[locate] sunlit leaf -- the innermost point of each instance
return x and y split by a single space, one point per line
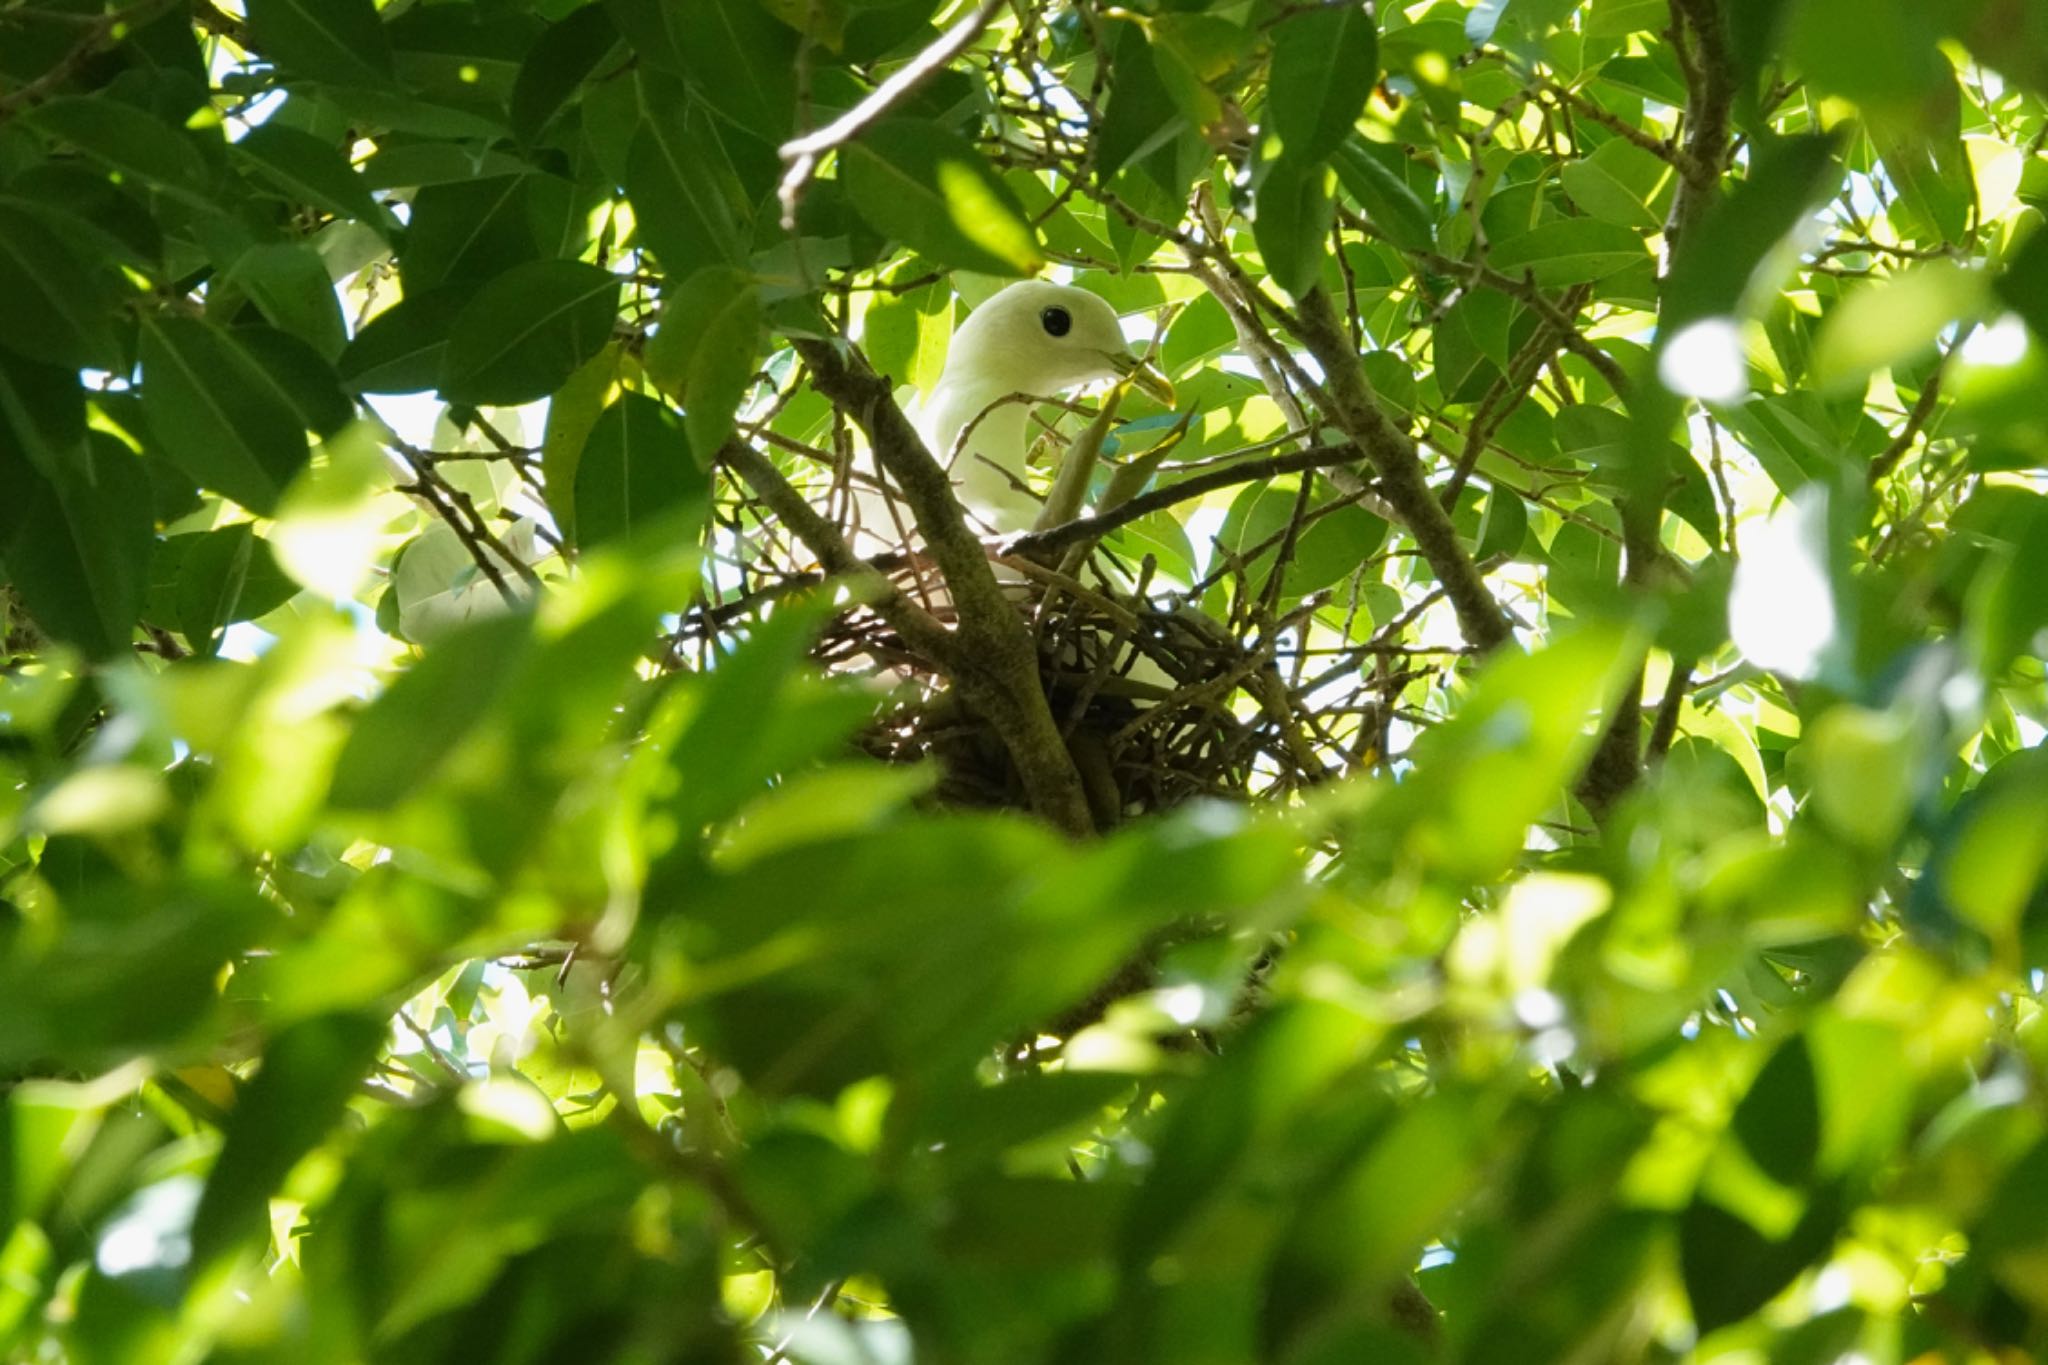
930 190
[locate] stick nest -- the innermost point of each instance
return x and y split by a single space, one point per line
1160 702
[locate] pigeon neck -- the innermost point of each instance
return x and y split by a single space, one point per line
990 464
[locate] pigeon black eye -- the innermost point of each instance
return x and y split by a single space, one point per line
1057 321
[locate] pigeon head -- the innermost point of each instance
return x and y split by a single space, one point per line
1042 338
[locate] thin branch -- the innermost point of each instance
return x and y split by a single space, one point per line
918 627
998 663
95 32
1401 478
1525 291
802 154
1085 530
1916 422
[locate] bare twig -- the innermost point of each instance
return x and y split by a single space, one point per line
801 154
1084 530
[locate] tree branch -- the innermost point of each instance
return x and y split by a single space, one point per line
1709 106
1916 422
801 154
1710 79
918 627
997 663
1086 530
1401 477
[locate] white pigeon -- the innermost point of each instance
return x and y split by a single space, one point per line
1036 338
1032 338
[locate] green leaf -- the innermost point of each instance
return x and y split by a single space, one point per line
76 545
1857 757
1779 1120
219 413
1731 1269
1332 547
290 286
1716 261
1880 53
135 971
471 231
1890 322
309 1073
417 165
303 376
1513 747
56 310
212 579
1292 218
1503 525
1201 331
743 727
742 63
524 333
2010 612
559 61
930 190
336 40
1325 64
94 213
42 414
637 470
1386 198
572 412
1622 184
1570 251
141 148
1931 172
1619 18
703 352
309 170
1141 114
676 180
406 734
404 348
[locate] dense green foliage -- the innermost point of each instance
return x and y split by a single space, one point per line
446 913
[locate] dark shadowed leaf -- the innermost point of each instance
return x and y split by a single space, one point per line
221 415
1325 63
128 141
58 308
402 349
703 352
559 61
637 469
676 177
527 331
309 1072
310 170
406 733
742 61
77 544
334 39
289 284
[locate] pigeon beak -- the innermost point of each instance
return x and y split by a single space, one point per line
1143 377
